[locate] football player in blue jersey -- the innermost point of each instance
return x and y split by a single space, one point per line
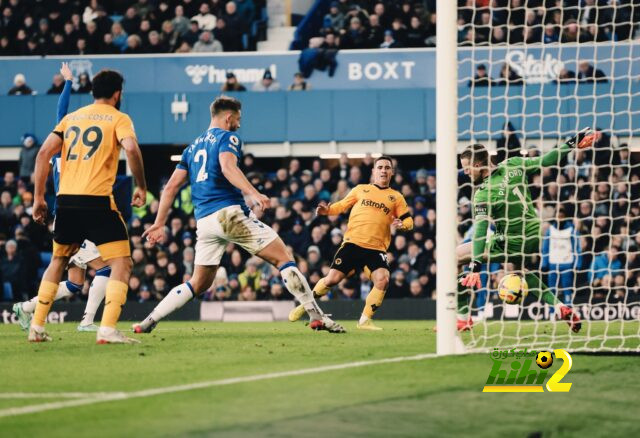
218 190
87 255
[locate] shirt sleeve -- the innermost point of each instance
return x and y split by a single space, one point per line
481 215
184 160
401 208
231 143
344 204
124 128
551 158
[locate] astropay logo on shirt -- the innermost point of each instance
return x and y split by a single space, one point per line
534 70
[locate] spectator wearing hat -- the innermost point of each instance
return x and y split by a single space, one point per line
314 257
20 86
298 237
232 84
334 19
389 41
268 83
481 79
28 155
299 84
207 44
398 287
355 37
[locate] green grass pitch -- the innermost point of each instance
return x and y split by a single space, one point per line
429 397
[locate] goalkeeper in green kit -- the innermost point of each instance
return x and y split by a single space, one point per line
502 196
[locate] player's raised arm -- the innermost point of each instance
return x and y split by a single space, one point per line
171 189
63 100
583 139
231 171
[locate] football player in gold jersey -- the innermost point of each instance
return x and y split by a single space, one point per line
89 141
375 208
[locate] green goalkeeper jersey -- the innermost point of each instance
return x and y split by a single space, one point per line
504 199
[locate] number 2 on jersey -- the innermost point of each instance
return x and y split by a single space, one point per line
201 155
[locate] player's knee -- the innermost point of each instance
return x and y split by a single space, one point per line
381 283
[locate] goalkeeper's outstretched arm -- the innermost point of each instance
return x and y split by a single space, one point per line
582 139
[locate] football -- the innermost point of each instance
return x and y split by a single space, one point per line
513 289
544 359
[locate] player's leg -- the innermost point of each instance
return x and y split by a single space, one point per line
180 295
97 293
209 249
66 241
48 290
463 253
115 298
380 278
566 285
322 287
276 253
24 310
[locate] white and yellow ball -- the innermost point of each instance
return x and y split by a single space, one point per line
513 289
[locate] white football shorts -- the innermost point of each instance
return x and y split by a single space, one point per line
230 225
87 252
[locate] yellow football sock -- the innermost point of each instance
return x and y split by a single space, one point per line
115 298
374 301
46 294
320 288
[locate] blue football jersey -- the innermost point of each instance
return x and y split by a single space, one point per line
210 189
55 171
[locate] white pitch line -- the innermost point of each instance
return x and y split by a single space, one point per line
23 395
105 397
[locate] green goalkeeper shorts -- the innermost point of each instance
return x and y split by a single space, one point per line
517 250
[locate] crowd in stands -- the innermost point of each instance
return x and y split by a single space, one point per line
354 24
597 191
81 27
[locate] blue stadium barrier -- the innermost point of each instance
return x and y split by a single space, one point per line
535 111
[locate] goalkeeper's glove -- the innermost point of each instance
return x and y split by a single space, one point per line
473 278
583 139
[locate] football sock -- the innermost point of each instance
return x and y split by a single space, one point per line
176 298
320 289
540 290
97 291
64 290
297 285
116 296
464 297
373 302
46 294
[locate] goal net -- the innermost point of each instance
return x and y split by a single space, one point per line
528 79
